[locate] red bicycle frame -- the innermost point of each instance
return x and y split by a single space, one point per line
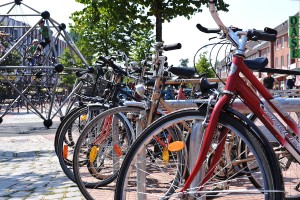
236 85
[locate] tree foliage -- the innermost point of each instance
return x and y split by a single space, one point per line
184 62
107 26
203 66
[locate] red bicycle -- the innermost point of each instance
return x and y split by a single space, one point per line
225 155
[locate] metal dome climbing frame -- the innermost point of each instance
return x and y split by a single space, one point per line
33 81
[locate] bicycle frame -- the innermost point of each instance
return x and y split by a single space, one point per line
264 111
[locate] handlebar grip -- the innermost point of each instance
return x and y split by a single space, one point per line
170 47
267 37
206 30
260 35
270 30
89 70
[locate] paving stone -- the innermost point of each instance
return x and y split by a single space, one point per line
20 194
30 170
54 196
35 197
74 198
4 192
73 194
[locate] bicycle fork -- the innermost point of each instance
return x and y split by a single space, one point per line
198 168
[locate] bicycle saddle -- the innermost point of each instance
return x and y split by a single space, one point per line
183 72
257 63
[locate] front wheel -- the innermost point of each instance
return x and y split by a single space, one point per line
144 176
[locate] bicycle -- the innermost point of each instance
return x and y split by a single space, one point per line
105 155
107 95
217 128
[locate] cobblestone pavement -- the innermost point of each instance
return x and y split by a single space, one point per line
29 168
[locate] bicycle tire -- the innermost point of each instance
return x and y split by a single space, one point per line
159 176
69 133
61 125
288 165
95 178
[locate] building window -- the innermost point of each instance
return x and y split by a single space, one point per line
276 63
276 45
282 42
282 62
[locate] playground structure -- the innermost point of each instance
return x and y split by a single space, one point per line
35 85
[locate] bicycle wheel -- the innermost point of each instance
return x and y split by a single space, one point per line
100 150
61 125
70 131
220 176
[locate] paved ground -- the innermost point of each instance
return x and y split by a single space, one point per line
29 168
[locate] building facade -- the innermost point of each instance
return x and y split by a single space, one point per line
18 29
278 54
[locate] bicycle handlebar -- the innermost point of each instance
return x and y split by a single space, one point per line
114 66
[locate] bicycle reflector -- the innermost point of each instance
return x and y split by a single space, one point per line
176 146
93 153
118 150
83 117
165 155
65 151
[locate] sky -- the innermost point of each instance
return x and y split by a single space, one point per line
245 14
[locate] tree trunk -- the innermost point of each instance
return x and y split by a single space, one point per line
159 20
158 28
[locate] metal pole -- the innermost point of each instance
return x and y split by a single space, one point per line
75 48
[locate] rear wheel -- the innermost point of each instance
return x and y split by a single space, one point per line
69 133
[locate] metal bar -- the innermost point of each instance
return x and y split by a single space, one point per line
75 48
11 104
78 87
289 104
41 67
19 15
53 95
7 4
7 12
18 26
52 44
23 96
